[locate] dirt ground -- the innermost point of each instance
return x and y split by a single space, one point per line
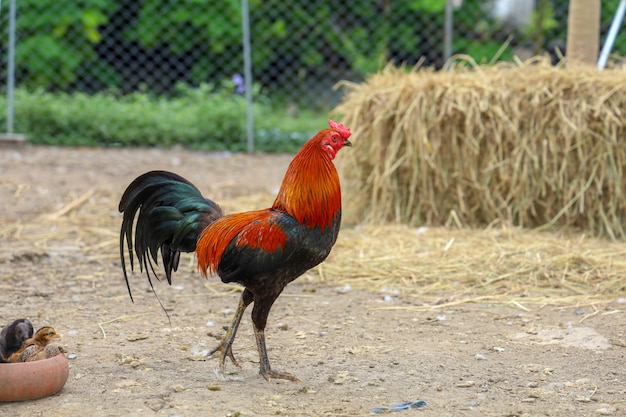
354 350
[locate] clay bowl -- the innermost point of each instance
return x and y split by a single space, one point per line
31 380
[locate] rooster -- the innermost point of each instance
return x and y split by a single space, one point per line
262 250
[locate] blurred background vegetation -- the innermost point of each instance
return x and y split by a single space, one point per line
164 72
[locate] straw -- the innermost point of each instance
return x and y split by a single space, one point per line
524 144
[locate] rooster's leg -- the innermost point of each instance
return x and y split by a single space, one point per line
261 310
266 370
226 346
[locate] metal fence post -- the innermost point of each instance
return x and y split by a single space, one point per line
447 30
11 67
610 37
247 73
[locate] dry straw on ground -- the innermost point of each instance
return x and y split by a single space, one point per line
441 267
436 267
527 144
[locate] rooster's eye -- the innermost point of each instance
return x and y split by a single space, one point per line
334 138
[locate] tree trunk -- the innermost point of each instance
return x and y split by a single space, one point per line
583 31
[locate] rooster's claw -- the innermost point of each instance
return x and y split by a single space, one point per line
269 374
224 353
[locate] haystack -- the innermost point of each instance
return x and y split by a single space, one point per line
526 144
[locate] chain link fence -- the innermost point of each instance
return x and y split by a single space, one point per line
299 49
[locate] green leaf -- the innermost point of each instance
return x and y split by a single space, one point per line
59 30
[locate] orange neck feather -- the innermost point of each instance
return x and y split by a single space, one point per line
310 191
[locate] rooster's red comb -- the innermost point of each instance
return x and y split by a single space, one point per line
339 128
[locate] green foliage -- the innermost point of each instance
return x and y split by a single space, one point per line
485 52
57 38
361 32
216 22
205 118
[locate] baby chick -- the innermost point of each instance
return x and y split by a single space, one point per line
40 340
13 336
50 351
26 354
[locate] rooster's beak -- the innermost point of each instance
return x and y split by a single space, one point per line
347 143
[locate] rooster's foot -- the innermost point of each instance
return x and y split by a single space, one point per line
269 374
225 352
